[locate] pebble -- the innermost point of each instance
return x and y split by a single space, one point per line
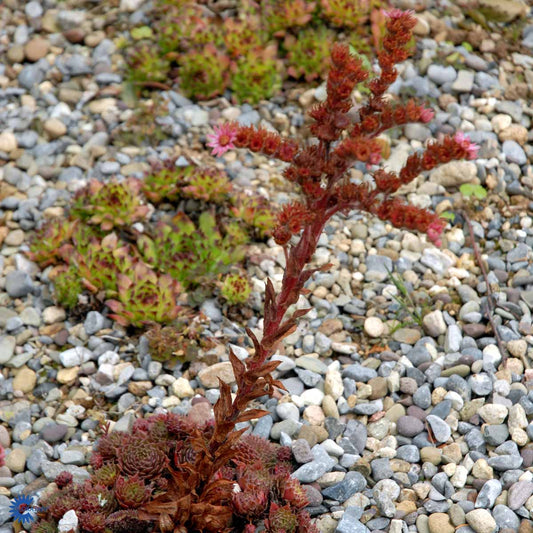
441 430
374 327
440 523
409 426
25 380
481 521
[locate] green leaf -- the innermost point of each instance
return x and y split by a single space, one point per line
467 46
142 32
207 223
469 189
448 215
480 192
363 58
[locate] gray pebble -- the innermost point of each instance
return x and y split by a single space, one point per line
505 462
320 464
94 322
440 74
290 427
514 153
495 434
505 518
488 494
349 523
352 483
18 284
54 432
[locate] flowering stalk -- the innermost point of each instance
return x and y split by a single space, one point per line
321 171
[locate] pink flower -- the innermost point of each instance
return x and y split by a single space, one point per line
222 140
398 13
470 147
435 230
374 159
426 115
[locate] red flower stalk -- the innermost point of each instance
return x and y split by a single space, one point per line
321 171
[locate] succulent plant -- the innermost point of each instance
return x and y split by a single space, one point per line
132 492
110 205
280 15
63 479
236 289
51 244
181 341
44 526
254 211
256 77
140 457
92 522
146 65
346 13
204 73
164 181
67 286
164 490
308 53
106 475
143 296
241 36
209 184
99 263
177 23
189 253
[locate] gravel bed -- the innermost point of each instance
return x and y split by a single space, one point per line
395 426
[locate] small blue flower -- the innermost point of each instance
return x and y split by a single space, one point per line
21 509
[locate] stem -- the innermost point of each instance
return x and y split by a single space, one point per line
292 283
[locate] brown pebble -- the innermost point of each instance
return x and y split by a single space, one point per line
379 387
75 35
526 526
36 49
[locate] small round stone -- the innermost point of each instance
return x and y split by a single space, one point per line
409 426
374 327
481 521
16 460
25 380
440 523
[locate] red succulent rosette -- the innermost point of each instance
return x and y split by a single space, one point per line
140 456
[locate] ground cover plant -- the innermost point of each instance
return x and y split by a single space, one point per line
171 474
250 49
140 274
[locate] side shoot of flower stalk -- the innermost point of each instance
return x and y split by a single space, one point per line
321 170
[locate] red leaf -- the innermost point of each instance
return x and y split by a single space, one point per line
299 312
270 298
252 336
284 330
266 369
222 408
251 414
278 384
238 366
